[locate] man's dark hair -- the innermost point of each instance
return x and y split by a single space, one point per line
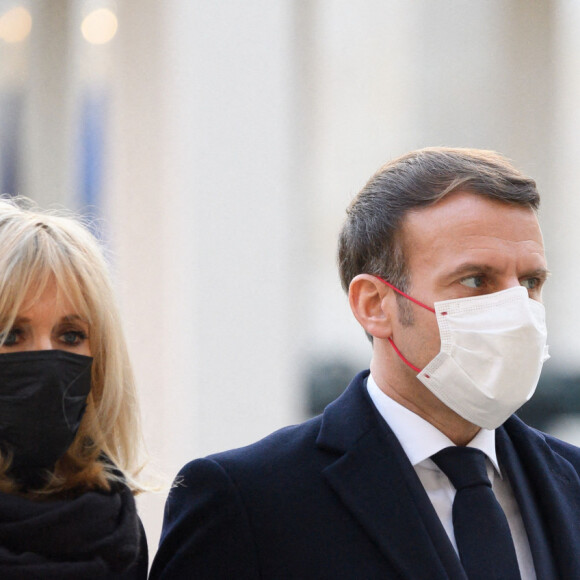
369 241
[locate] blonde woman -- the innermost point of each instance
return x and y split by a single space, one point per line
69 422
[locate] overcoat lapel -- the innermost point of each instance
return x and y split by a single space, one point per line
525 495
377 484
556 490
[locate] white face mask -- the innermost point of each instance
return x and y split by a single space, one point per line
492 350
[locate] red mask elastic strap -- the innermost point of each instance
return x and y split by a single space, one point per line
410 365
406 296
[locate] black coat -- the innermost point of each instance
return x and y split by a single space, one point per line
337 498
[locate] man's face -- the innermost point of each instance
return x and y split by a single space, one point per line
465 245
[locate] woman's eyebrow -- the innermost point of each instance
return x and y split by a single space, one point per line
74 318
21 320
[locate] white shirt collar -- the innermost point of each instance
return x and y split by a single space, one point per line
419 438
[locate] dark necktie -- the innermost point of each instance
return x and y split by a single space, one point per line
483 537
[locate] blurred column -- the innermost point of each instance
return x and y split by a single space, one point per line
201 202
359 73
561 202
15 27
49 118
95 28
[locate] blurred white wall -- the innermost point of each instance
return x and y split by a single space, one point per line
236 135
204 229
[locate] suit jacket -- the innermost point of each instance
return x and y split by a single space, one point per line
337 498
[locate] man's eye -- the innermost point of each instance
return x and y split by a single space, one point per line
530 283
473 281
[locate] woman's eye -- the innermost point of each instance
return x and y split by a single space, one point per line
472 281
13 336
73 337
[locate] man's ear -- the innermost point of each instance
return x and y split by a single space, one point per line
371 302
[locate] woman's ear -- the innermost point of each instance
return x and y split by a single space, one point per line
370 304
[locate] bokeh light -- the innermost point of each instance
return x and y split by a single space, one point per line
99 26
15 25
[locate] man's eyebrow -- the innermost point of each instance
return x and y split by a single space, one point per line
472 268
542 273
475 268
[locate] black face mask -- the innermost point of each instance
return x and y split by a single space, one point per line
43 396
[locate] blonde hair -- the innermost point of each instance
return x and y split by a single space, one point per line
37 248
